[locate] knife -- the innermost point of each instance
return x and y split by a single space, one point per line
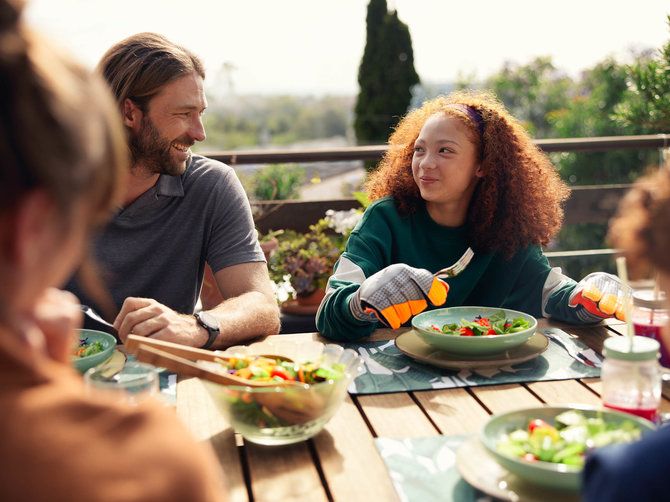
574 353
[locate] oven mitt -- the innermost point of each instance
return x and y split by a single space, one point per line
599 295
396 293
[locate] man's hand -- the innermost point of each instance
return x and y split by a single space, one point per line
147 317
396 293
598 296
57 315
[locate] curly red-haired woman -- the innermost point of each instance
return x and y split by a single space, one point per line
460 172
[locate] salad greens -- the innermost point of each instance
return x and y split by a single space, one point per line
267 369
497 324
566 442
87 349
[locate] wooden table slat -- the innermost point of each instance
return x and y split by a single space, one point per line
284 473
197 411
396 415
350 462
501 398
454 411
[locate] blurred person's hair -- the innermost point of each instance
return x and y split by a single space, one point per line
641 227
60 132
59 127
139 66
518 202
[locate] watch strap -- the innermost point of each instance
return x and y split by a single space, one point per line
213 331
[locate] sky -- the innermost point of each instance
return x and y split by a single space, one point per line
315 46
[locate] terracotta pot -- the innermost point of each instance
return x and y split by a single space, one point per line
313 298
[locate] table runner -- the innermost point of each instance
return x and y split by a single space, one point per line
387 369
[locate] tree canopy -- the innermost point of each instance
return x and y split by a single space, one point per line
386 75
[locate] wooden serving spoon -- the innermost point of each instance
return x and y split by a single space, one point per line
179 358
301 405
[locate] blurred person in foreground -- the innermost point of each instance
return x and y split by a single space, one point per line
638 471
63 165
178 212
460 172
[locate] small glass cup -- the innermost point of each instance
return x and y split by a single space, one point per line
133 384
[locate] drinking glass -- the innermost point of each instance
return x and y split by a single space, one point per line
134 383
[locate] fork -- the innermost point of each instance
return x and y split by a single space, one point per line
456 268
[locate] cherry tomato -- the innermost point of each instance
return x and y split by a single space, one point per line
484 322
466 332
281 373
529 457
491 332
538 422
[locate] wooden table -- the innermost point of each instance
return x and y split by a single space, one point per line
341 463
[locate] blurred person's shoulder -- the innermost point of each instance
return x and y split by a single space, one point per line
91 446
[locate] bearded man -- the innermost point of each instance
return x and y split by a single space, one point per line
180 211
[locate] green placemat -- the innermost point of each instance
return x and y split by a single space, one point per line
386 369
424 469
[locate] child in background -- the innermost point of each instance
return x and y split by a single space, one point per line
638 471
460 172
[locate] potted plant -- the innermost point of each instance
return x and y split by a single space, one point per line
306 260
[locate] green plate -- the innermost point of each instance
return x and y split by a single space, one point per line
469 346
546 474
91 336
410 344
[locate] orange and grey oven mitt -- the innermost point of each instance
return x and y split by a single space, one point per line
598 296
396 293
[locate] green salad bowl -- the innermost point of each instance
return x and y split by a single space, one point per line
548 475
89 336
470 346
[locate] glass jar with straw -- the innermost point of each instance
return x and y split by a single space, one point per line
649 316
631 374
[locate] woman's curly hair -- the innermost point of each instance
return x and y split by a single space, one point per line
518 202
641 226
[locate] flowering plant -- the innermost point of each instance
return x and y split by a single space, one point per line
306 260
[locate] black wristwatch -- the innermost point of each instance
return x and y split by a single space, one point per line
211 324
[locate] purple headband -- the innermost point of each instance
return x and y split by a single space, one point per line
472 113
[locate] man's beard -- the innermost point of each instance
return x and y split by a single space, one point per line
154 152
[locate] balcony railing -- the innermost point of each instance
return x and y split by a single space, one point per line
587 204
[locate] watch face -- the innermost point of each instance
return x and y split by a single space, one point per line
209 321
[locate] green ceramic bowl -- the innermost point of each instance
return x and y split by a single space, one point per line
469 346
91 336
546 474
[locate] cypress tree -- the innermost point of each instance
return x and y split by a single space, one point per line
386 75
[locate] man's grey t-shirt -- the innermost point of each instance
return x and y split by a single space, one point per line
158 245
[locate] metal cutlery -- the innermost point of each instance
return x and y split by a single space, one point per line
94 316
456 268
571 350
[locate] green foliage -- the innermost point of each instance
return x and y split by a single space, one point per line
249 121
531 91
588 113
275 182
386 75
308 258
647 101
